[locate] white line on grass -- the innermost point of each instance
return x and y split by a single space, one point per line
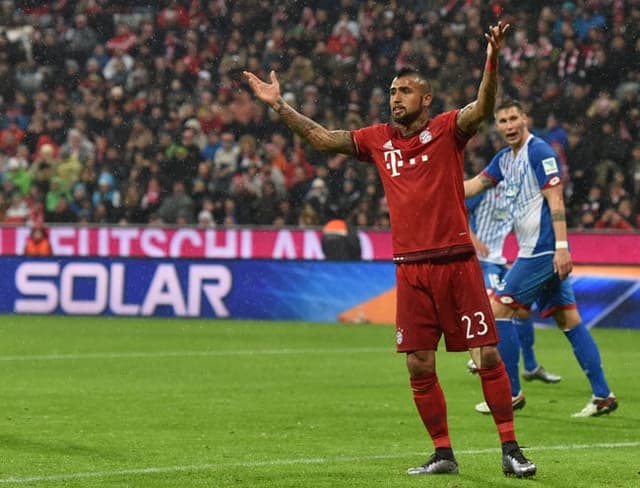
286 462
177 354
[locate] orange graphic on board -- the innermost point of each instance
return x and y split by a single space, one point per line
382 308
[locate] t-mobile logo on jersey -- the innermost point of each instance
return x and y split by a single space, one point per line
394 161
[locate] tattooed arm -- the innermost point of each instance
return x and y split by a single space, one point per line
314 134
562 259
477 184
471 116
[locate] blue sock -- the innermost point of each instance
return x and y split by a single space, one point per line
588 356
509 349
524 328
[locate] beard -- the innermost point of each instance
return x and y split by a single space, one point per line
406 118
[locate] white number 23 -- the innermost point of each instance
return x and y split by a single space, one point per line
477 327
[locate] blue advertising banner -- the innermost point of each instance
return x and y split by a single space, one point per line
319 291
259 289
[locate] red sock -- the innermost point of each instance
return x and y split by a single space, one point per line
432 407
497 394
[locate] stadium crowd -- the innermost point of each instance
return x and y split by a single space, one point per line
116 111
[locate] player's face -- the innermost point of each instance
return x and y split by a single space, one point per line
512 124
408 99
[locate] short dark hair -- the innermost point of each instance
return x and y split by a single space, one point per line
508 103
409 71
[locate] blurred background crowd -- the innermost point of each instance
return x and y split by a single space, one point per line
118 112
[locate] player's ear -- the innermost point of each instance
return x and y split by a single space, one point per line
427 98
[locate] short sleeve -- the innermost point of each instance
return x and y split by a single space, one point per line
493 170
362 141
546 164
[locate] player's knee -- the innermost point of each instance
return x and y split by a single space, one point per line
501 311
489 357
421 363
567 319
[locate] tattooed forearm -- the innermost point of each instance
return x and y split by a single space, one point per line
558 216
313 133
487 92
472 115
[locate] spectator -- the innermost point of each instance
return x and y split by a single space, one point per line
308 216
19 176
108 195
248 154
38 242
205 219
81 39
77 147
117 68
611 219
80 202
634 169
129 86
63 212
10 137
627 212
18 210
245 195
123 41
267 205
183 159
317 197
150 201
132 211
225 162
178 205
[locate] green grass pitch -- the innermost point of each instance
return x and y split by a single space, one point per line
97 402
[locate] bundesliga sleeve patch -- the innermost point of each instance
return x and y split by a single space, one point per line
550 166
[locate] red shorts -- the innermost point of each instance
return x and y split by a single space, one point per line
443 296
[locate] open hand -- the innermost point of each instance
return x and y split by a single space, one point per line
481 249
269 93
495 38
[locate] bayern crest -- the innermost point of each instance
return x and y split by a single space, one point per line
425 136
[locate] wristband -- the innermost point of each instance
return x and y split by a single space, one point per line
562 245
491 65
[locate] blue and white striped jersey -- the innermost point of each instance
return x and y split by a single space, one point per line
525 175
490 219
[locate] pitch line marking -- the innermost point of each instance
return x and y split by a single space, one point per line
177 354
288 462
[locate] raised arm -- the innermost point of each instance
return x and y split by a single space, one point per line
471 116
562 258
317 136
477 184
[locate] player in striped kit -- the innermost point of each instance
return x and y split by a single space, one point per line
440 290
529 168
490 221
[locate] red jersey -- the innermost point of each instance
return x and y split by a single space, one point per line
423 177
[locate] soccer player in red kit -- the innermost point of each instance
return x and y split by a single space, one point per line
440 287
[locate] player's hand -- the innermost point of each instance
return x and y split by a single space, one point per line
495 38
562 263
269 93
481 249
